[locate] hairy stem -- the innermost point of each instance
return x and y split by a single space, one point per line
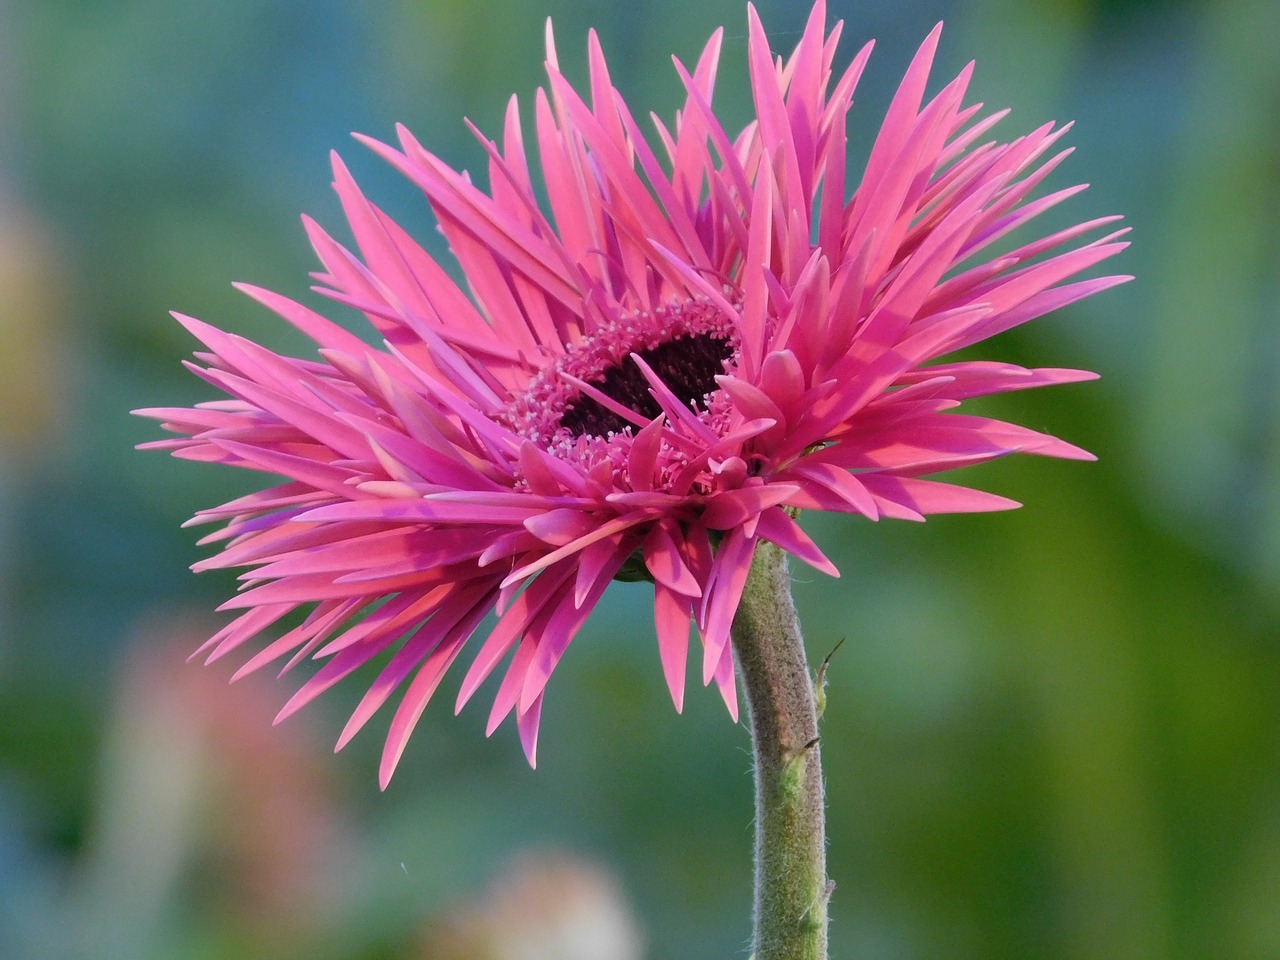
791 887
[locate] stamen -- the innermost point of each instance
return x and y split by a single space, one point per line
686 344
687 365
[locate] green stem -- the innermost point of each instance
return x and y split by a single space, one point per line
791 888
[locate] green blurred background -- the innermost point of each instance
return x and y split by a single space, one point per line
1052 733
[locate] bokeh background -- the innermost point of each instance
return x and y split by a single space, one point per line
1052 733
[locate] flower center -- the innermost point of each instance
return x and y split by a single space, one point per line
687 365
686 344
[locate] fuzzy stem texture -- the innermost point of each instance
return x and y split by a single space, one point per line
791 888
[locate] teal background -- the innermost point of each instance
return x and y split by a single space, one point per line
1052 733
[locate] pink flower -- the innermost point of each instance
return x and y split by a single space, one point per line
703 335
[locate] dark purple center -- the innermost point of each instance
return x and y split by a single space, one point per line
687 365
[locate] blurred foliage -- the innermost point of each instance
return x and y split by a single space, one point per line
1052 733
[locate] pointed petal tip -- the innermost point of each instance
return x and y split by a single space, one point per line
348 734
730 703
528 726
392 751
366 141
1064 451
1066 375
493 723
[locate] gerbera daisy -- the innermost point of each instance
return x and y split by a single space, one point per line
699 335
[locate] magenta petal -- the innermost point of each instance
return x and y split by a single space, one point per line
671 614
512 682
733 508
415 701
511 625
930 496
566 619
323 476
643 457
751 400
558 527
607 529
776 527
303 639
423 511
732 564
240 629
727 682
846 486
783 380
663 560
431 650
527 723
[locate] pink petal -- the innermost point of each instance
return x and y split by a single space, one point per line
733 508
929 496
672 613
527 723
776 527
720 601
662 559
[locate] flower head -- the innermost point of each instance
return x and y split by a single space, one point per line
702 335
